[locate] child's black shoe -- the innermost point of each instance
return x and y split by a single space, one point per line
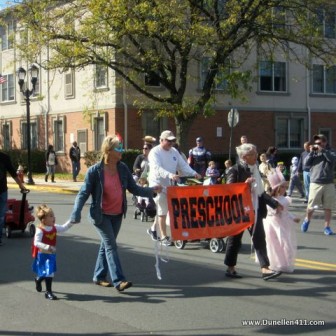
50 296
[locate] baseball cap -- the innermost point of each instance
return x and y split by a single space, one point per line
167 135
199 139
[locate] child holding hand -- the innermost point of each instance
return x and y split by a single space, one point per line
44 248
280 227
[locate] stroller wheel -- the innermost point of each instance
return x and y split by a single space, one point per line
179 244
31 229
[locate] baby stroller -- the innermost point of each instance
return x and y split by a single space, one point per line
145 209
19 216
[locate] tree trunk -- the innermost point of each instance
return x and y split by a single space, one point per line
182 131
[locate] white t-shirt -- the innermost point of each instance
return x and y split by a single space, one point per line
165 163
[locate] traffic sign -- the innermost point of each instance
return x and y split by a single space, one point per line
233 117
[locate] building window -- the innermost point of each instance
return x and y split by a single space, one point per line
101 76
289 132
59 134
220 79
327 23
272 76
69 84
36 92
324 79
8 88
33 135
82 141
6 135
99 128
278 18
6 35
153 125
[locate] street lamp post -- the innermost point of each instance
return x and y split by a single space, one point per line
233 119
21 73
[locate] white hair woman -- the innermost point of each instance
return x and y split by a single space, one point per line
246 170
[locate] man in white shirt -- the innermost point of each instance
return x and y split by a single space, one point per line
164 162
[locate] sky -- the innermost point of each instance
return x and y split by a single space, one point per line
4 3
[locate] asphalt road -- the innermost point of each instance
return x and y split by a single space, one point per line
193 297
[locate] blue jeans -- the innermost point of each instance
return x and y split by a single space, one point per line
75 168
306 182
3 208
108 258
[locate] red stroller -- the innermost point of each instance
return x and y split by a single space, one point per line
19 216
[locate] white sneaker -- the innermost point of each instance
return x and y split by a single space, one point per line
153 234
166 241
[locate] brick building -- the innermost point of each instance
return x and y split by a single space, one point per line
286 105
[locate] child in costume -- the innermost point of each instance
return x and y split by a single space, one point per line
295 178
44 248
280 227
212 172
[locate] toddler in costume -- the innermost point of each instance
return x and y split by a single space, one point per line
44 248
212 172
295 178
280 227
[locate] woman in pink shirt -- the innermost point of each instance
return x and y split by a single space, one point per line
106 182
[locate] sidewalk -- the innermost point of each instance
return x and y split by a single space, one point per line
60 186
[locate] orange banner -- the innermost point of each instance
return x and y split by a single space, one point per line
214 211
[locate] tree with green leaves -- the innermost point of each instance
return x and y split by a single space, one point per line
165 39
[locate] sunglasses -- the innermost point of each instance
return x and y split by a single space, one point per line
170 140
145 148
318 142
120 148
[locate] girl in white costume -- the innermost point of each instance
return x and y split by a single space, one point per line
280 227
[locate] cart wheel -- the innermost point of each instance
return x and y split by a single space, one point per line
216 245
31 229
223 245
179 244
8 231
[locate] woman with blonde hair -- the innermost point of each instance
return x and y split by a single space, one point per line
106 182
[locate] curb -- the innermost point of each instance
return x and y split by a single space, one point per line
45 188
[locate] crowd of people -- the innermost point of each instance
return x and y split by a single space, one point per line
162 165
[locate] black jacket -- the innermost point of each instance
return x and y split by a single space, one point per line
74 153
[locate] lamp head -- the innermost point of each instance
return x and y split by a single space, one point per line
21 74
34 71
